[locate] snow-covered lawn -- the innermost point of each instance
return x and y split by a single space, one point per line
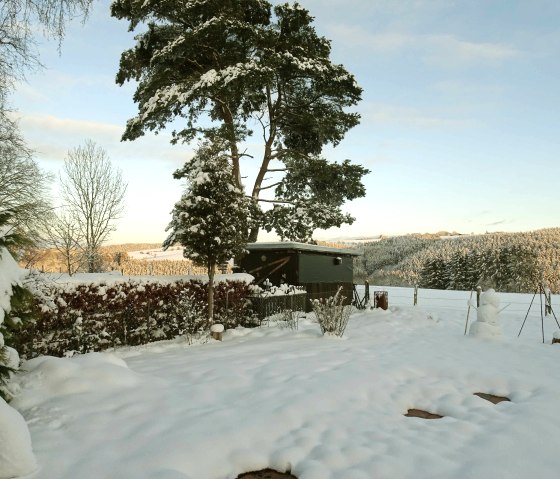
324 407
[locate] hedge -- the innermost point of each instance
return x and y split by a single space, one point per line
93 317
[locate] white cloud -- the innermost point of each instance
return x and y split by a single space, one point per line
51 137
403 116
50 123
456 51
445 50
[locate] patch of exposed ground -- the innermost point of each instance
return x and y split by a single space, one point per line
266 474
492 398
422 414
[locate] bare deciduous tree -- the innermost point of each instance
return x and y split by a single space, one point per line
94 194
23 188
22 184
64 235
18 21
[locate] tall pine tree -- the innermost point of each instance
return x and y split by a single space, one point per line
223 67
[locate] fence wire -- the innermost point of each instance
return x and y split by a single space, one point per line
457 300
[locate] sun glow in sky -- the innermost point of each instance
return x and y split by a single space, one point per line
460 115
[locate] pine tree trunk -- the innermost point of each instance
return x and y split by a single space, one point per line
273 107
211 267
253 235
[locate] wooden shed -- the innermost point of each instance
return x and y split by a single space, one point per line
320 269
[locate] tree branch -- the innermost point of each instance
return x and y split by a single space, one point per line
269 186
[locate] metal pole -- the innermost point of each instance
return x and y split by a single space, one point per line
468 312
478 293
548 302
519 334
542 317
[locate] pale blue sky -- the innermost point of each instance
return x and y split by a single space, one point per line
460 114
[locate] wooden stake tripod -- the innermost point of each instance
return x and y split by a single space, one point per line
548 306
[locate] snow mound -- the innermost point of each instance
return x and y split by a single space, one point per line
217 328
49 377
16 455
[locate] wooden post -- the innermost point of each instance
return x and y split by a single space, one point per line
217 331
547 302
478 293
381 299
366 297
415 294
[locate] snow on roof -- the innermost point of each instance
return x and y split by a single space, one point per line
302 247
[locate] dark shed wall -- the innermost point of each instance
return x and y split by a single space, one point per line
278 266
322 268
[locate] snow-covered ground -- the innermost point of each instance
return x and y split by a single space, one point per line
324 407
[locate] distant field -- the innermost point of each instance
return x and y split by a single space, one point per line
175 253
130 259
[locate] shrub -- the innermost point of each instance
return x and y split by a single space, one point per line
192 319
332 314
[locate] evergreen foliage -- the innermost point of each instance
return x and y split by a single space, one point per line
224 67
16 295
213 216
514 262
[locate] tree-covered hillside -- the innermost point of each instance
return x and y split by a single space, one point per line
505 261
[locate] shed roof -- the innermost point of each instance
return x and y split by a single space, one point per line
293 246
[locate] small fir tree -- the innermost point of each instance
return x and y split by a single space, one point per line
213 216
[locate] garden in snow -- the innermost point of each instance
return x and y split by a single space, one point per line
321 407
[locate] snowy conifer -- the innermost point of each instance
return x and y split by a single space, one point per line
223 67
213 216
11 276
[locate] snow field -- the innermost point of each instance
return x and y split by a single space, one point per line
326 408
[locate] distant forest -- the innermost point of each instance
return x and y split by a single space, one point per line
509 262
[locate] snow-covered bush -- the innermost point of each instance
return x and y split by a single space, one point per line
191 319
11 276
332 314
93 317
16 454
290 318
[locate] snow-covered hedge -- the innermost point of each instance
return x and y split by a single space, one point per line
80 318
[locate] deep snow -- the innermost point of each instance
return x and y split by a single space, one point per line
326 408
